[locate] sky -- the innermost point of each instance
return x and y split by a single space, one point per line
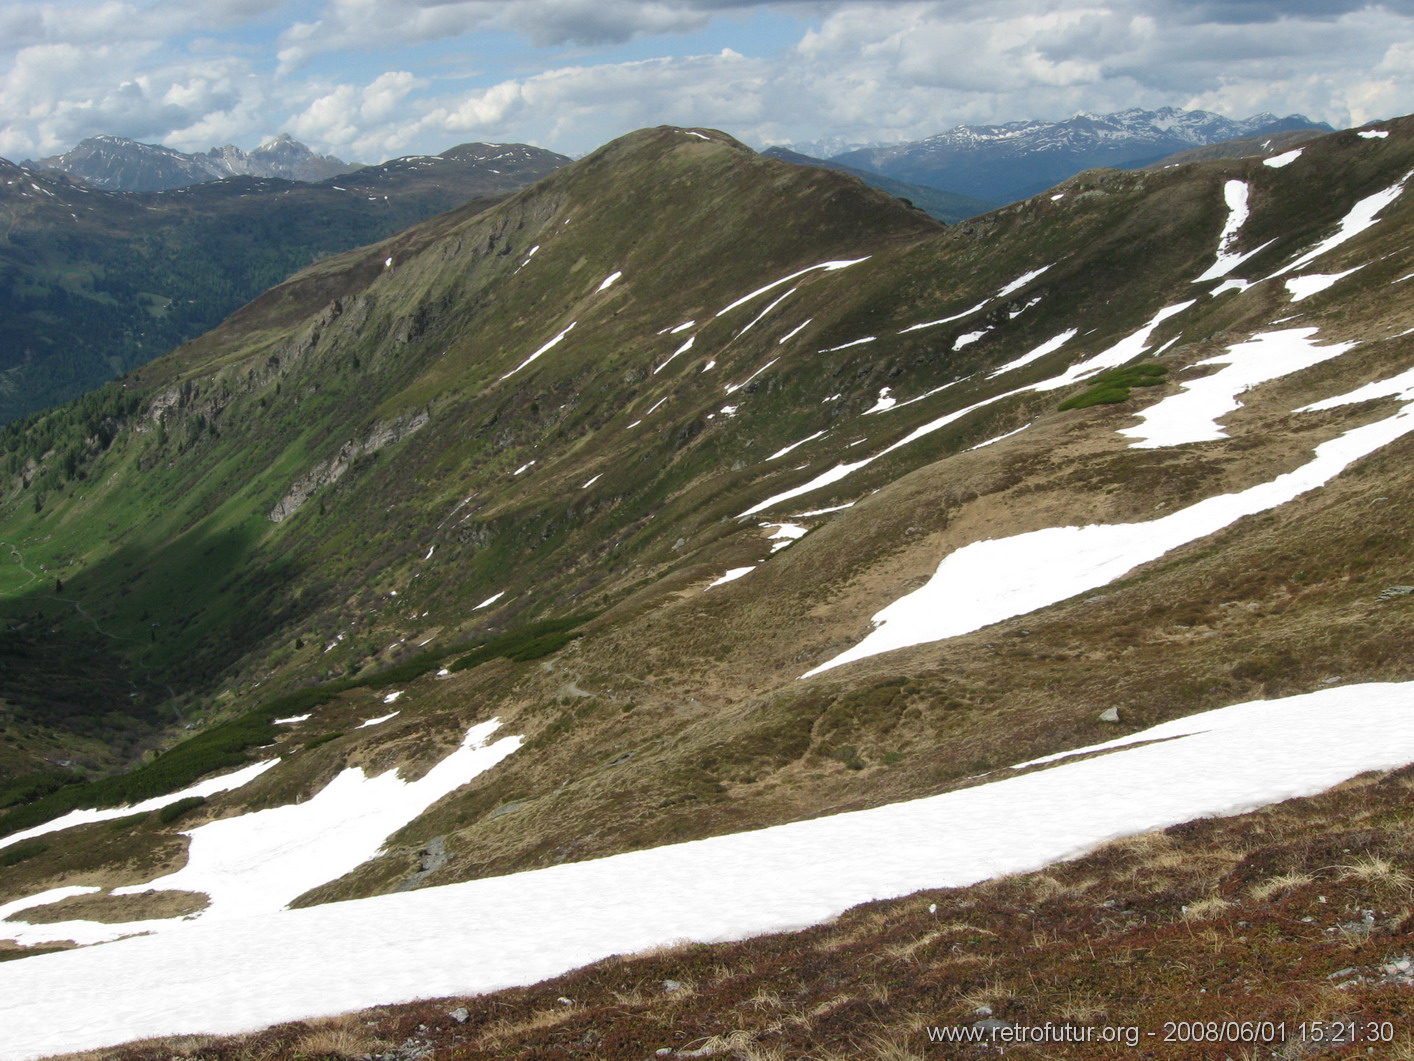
372 79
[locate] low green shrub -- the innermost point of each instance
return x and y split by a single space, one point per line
317 741
29 787
532 641
1113 386
13 856
170 813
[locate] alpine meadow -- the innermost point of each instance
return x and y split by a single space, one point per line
701 606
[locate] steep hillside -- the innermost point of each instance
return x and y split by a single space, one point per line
686 493
94 283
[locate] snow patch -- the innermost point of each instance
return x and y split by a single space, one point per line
1050 346
1192 414
731 576
1361 216
684 348
1285 159
989 441
793 445
1303 287
884 402
489 601
376 721
1021 281
995 579
793 332
609 281
825 511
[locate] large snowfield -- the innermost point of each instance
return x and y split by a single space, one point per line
247 972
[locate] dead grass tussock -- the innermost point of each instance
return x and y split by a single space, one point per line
501 1033
1279 885
1203 909
1373 869
1081 1008
343 1036
766 999
991 994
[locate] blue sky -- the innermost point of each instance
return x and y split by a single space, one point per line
371 79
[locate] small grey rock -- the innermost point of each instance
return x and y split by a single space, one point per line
460 1014
672 985
1110 715
990 1024
1390 592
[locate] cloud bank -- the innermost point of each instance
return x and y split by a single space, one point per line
367 79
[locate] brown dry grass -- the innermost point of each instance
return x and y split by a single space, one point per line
112 909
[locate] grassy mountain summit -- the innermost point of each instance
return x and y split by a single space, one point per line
643 461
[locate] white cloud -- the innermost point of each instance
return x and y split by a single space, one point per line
362 77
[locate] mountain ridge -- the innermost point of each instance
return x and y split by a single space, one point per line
93 283
117 164
613 371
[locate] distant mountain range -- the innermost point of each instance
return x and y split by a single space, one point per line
117 164
947 207
1003 163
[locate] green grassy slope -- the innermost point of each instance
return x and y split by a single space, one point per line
375 404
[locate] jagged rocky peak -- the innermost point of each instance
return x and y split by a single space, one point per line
119 164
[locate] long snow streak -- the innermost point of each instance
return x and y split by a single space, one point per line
1020 282
208 787
828 267
1127 348
1050 346
684 348
1002 292
992 580
783 451
483 935
542 350
1362 215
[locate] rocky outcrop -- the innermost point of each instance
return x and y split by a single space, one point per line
333 469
